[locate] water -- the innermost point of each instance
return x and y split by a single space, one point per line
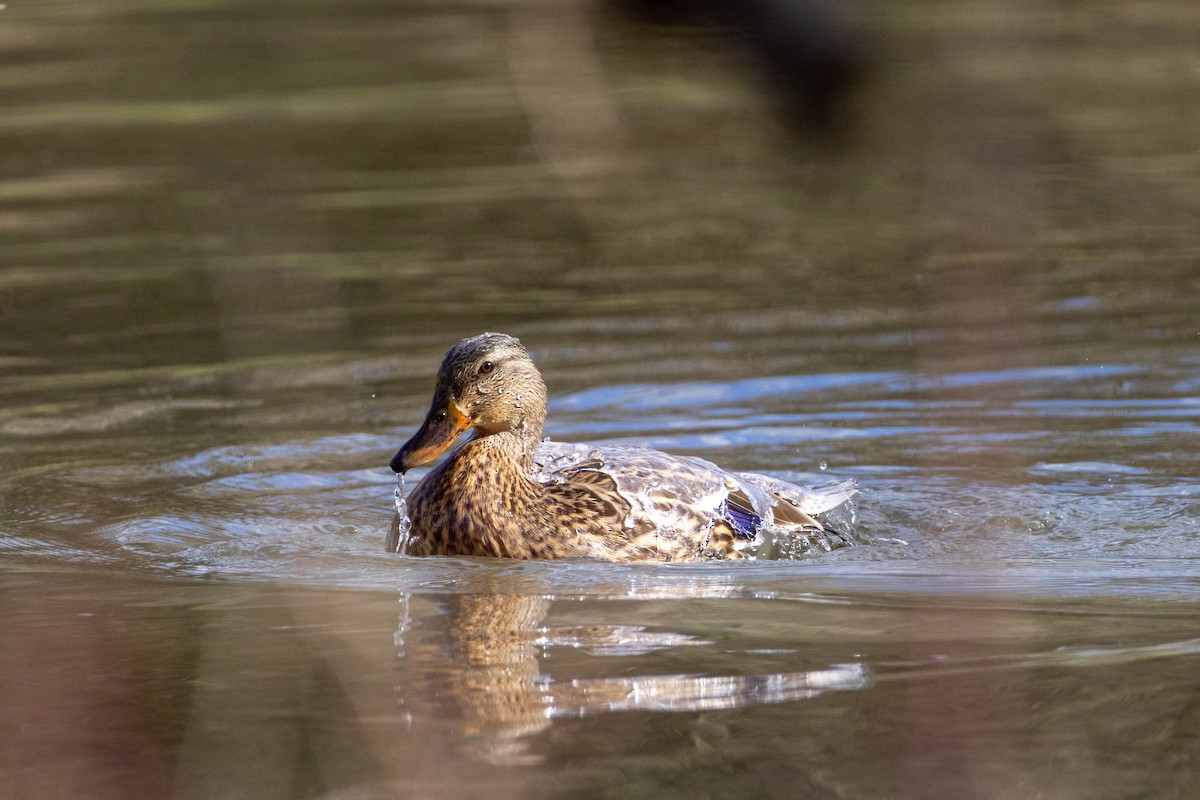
398 535
232 256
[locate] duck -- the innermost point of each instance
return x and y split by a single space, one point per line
506 493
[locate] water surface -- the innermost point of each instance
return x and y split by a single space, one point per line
235 240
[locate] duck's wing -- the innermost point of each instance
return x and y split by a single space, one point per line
679 494
793 509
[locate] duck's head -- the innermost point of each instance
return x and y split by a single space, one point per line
487 382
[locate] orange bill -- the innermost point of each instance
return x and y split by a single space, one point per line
443 424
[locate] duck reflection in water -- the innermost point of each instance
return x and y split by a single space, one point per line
483 670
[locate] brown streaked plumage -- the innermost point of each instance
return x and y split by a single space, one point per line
505 493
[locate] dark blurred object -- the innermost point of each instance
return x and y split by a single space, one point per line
811 58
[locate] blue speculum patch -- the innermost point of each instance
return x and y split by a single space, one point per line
744 521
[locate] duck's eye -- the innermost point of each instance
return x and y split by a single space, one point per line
486 368
439 416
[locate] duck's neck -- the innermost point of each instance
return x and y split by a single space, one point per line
481 501
516 445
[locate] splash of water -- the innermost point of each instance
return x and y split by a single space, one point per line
398 535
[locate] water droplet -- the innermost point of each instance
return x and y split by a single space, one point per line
398 538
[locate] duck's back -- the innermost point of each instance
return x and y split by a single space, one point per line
683 507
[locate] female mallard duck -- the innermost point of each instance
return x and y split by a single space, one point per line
506 493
